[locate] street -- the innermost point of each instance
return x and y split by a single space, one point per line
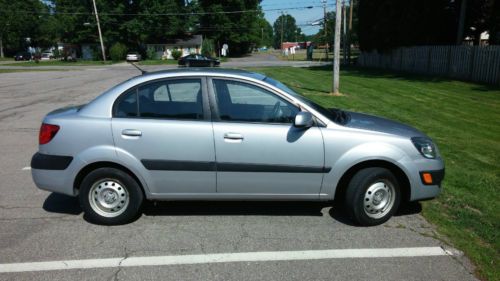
38 226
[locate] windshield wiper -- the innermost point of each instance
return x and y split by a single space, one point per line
341 116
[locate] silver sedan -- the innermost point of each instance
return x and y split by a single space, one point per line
214 134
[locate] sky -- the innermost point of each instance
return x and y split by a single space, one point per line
303 17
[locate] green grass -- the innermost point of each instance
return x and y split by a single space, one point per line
157 62
59 63
463 118
6 59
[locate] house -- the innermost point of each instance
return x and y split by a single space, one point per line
298 45
189 45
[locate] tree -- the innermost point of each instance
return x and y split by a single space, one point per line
16 25
387 24
480 17
495 24
225 24
266 33
320 38
291 33
137 30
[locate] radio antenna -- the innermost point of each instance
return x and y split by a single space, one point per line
140 69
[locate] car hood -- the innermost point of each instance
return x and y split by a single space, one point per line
378 124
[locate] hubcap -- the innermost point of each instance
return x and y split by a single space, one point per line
379 199
108 198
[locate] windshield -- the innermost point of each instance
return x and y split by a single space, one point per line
336 115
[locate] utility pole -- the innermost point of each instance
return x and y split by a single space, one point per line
344 37
349 32
324 27
282 23
261 36
99 30
336 49
461 22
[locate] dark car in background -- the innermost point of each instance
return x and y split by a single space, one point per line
198 60
23 56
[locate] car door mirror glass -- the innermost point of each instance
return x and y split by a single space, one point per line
303 119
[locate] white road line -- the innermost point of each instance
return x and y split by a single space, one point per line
224 257
26 168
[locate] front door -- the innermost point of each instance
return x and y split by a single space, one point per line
258 150
165 125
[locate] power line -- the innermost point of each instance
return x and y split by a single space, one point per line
168 14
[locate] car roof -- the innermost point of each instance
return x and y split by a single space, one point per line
207 71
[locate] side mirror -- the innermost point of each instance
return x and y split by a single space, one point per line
303 119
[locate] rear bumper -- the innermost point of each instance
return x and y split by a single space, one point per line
54 173
50 162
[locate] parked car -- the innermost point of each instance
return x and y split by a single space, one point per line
133 56
23 56
46 56
228 135
198 60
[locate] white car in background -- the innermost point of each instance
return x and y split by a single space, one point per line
133 56
47 56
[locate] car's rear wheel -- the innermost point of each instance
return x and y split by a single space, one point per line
373 196
110 196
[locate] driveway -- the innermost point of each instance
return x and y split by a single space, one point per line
43 236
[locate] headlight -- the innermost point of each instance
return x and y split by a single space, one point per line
425 146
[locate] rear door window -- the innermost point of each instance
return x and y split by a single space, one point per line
167 99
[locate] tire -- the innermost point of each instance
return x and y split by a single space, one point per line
212 64
188 64
109 196
372 196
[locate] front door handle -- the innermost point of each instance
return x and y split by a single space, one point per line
131 133
233 136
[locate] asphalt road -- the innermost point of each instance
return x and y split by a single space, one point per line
38 226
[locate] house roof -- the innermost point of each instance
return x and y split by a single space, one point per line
186 41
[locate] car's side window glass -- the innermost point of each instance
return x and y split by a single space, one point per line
127 104
173 99
245 102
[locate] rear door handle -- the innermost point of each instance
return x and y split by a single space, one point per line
233 136
131 133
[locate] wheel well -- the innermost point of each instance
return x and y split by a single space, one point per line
91 167
403 181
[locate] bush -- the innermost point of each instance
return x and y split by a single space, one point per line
151 54
118 52
176 54
207 48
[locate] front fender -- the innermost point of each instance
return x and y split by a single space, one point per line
340 164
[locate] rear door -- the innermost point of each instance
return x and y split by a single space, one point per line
258 150
166 125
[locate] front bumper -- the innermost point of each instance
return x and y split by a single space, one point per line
414 169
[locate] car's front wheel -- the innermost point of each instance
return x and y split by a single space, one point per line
110 196
373 196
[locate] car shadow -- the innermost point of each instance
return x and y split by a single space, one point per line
233 208
62 204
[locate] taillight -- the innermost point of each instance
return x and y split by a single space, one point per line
47 133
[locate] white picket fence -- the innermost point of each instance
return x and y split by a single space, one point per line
472 63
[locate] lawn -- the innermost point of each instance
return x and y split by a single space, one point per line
463 118
157 62
59 63
28 70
